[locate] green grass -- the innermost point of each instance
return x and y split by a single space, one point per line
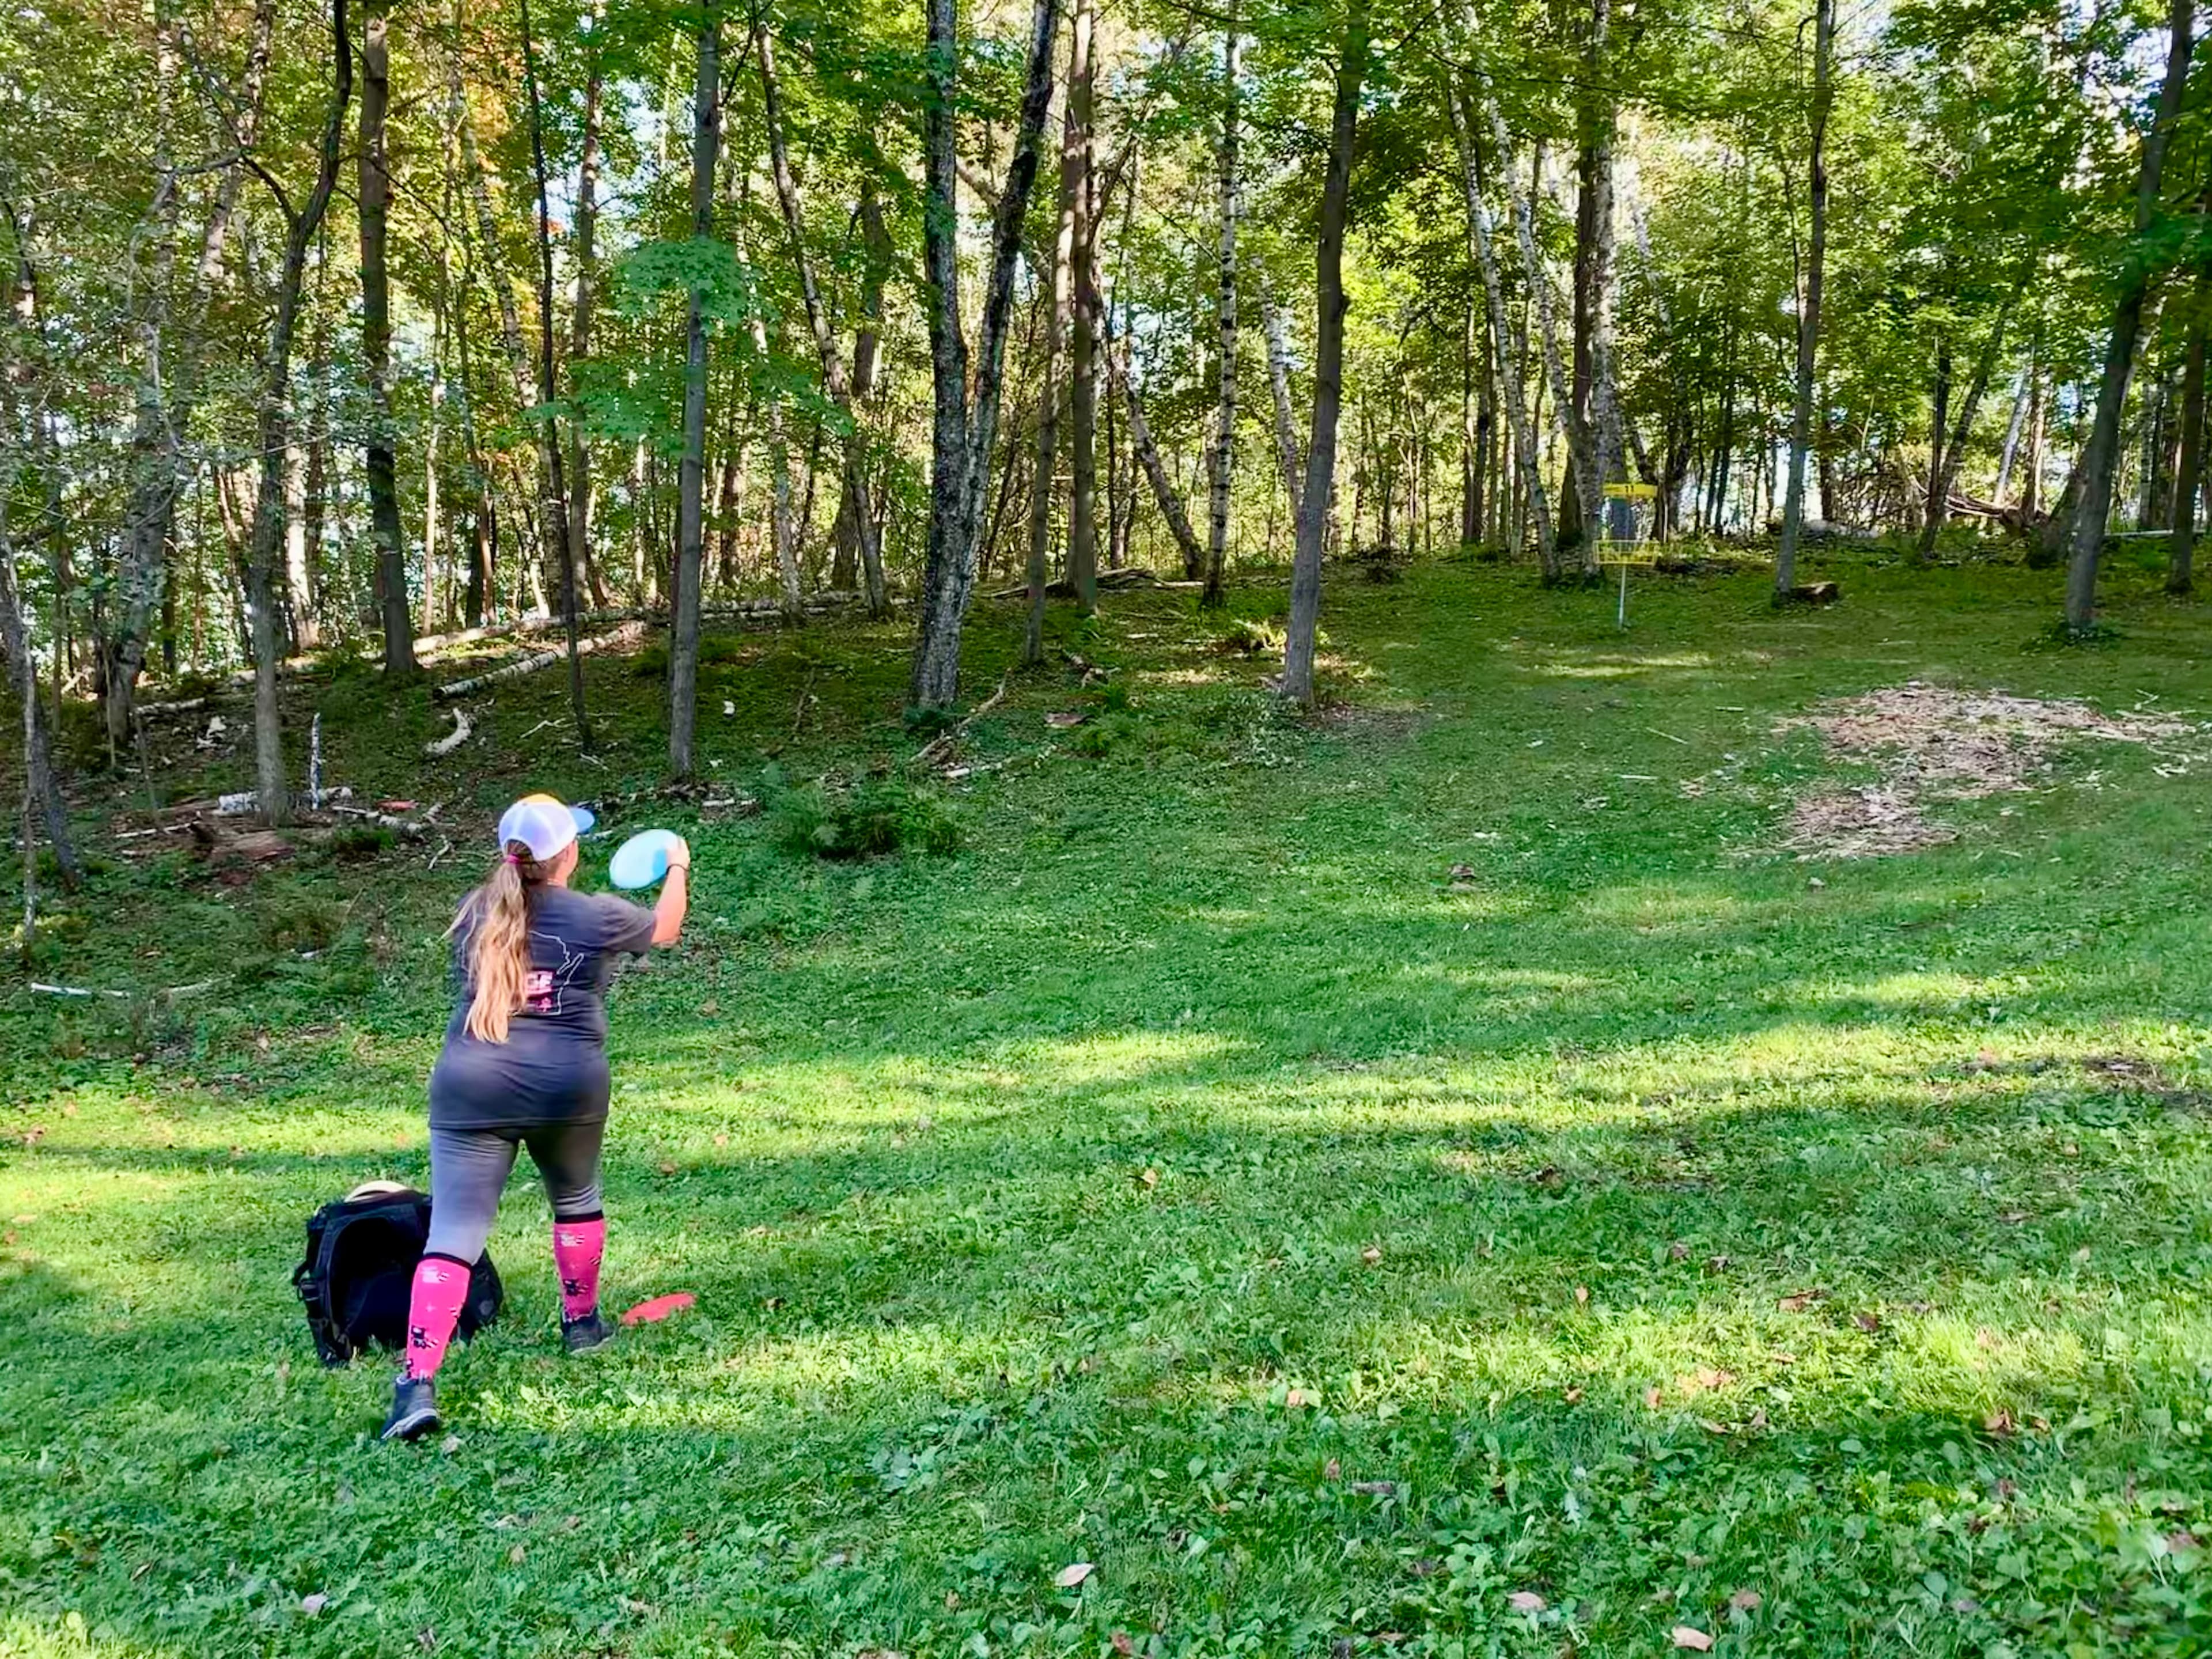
1186 1176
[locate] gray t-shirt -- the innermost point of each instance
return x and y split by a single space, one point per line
552 1068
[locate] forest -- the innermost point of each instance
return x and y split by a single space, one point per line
338 331
1430 783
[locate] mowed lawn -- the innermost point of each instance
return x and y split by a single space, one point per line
1190 1220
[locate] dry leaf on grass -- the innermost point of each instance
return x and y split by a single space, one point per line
1798 1301
1690 1636
1525 1601
311 1605
1069 1577
1746 1601
1932 742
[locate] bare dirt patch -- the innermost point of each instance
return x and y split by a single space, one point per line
1931 744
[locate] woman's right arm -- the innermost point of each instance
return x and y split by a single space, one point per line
675 897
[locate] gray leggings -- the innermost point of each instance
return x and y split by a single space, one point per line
468 1169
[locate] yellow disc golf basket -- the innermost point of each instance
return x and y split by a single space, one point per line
1625 532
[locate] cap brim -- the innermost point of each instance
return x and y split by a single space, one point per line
584 817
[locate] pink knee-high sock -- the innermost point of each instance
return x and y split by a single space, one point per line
577 1247
441 1285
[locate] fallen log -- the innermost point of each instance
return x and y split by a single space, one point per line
427 642
531 665
147 711
1826 530
413 829
938 746
1127 578
453 739
1813 594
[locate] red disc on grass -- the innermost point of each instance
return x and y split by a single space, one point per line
658 1307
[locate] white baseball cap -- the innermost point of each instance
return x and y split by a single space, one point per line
543 824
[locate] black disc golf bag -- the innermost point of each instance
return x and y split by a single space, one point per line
360 1271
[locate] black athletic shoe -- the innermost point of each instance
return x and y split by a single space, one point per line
413 1409
582 1335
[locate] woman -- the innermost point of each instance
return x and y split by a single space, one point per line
525 1065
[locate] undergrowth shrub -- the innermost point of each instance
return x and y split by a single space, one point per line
355 843
1247 636
301 921
876 817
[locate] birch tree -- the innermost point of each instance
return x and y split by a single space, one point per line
691 475
1330 304
963 423
2100 454
1809 305
1222 459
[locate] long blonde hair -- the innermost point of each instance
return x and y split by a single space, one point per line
497 916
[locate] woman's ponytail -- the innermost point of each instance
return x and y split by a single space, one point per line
497 916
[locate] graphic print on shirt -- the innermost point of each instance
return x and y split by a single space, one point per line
542 986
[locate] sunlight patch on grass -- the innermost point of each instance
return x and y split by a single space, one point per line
1652 909
1121 1057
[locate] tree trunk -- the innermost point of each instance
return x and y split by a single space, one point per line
272 424
1165 494
167 385
2017 423
855 510
1083 367
858 531
434 601
782 538
297 591
154 468
1482 240
1955 450
1279 382
1043 491
1603 405
691 474
583 249
39 783
516 351
1808 313
2189 470
1582 456
1330 305
1223 458
554 510
379 465
2031 487
2101 453
1937 430
961 427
